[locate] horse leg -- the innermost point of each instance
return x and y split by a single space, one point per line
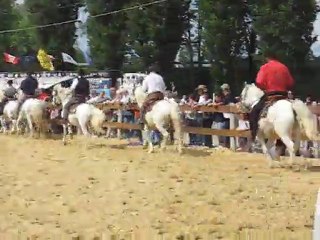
165 136
266 148
17 124
291 149
65 132
13 126
83 124
30 125
4 126
178 134
147 139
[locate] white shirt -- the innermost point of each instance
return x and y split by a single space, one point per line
203 101
153 83
125 99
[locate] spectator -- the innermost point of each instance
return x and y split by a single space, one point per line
98 99
191 119
243 125
184 100
308 100
290 95
218 119
228 99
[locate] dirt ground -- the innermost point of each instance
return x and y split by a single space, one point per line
104 187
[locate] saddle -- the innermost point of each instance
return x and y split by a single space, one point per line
78 100
73 108
270 100
152 99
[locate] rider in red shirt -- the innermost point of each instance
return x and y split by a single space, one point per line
44 95
273 78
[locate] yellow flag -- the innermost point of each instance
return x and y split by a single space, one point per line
45 60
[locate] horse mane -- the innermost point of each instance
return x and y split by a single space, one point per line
140 96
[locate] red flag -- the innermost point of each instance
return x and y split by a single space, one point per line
11 59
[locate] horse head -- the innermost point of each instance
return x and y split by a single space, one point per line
140 95
60 95
250 95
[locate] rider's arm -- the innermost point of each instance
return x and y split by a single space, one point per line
163 86
22 85
145 84
261 78
74 84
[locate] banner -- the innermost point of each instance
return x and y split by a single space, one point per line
28 60
45 60
67 58
11 59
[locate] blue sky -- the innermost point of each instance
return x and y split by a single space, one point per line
316 46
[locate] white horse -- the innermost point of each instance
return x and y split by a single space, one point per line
9 116
161 116
286 119
84 114
32 110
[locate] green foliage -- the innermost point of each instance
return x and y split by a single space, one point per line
107 34
225 35
285 27
7 21
7 17
156 32
55 39
22 41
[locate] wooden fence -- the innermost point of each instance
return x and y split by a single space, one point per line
233 111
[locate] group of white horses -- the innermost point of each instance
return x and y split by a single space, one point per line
86 116
288 120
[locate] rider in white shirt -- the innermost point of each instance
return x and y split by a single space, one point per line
154 85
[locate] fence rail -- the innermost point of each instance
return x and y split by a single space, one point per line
232 110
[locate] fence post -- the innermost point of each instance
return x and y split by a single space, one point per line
316 143
316 225
119 121
233 125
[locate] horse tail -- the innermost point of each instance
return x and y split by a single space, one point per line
97 120
176 121
305 119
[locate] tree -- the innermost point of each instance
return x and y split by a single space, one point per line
55 39
156 32
225 37
22 41
7 22
285 27
107 34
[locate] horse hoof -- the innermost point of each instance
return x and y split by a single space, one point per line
274 164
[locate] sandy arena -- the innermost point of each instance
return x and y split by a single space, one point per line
51 191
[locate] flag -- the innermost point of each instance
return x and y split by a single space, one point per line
51 57
28 60
45 60
11 59
67 58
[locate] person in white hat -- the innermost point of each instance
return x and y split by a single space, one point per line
227 96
